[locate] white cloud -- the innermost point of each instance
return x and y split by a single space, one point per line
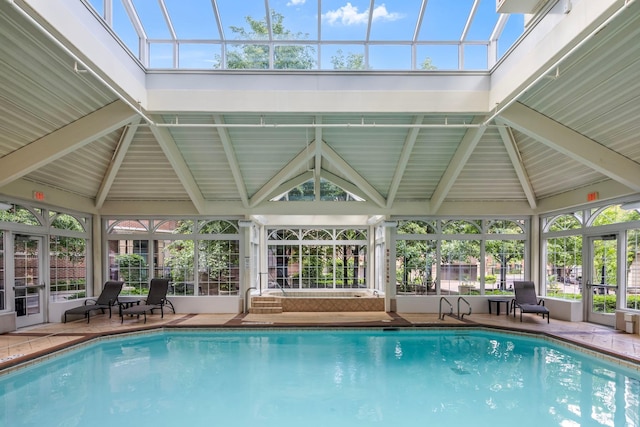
296 2
349 15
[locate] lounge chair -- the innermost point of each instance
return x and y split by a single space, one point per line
156 300
527 300
107 299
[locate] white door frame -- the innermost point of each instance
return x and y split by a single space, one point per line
29 295
591 288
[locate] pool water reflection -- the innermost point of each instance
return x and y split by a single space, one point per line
322 378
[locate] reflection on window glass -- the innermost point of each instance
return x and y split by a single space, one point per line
174 261
129 261
19 215
459 267
67 267
3 293
66 222
504 264
219 267
633 269
564 267
415 266
615 215
565 222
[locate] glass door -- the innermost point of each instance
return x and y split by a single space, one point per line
29 283
602 284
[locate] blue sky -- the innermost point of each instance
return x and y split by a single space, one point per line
341 21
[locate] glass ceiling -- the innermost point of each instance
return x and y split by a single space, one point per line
312 34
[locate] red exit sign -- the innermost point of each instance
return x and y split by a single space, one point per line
591 197
38 195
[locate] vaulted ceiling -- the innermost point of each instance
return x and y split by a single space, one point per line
83 122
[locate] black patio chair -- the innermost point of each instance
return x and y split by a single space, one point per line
107 299
527 300
156 300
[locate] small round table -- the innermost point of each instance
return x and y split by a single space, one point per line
498 301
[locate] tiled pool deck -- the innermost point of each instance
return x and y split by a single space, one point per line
27 343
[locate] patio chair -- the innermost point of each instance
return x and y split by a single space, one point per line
156 300
527 300
107 299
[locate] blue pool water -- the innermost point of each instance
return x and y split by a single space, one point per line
323 378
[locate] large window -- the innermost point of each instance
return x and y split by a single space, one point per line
459 256
564 240
633 269
219 258
68 239
67 257
3 289
317 258
142 249
563 267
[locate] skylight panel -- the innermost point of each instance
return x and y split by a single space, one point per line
152 19
484 21
98 5
161 55
192 19
475 57
342 57
445 19
394 20
326 34
344 20
198 55
300 18
123 26
234 17
390 57
442 56
512 31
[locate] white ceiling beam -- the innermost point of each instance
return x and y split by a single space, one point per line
288 185
116 161
573 144
457 163
516 160
173 154
283 175
344 184
405 154
229 151
63 141
352 175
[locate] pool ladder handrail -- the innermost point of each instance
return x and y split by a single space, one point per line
468 305
440 313
246 298
281 288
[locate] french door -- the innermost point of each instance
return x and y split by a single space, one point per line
29 283
602 292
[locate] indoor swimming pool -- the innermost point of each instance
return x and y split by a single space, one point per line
323 378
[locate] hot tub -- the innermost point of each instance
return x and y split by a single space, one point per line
327 299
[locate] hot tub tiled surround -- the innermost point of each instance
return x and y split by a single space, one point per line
316 301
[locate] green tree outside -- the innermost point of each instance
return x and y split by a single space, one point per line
247 56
